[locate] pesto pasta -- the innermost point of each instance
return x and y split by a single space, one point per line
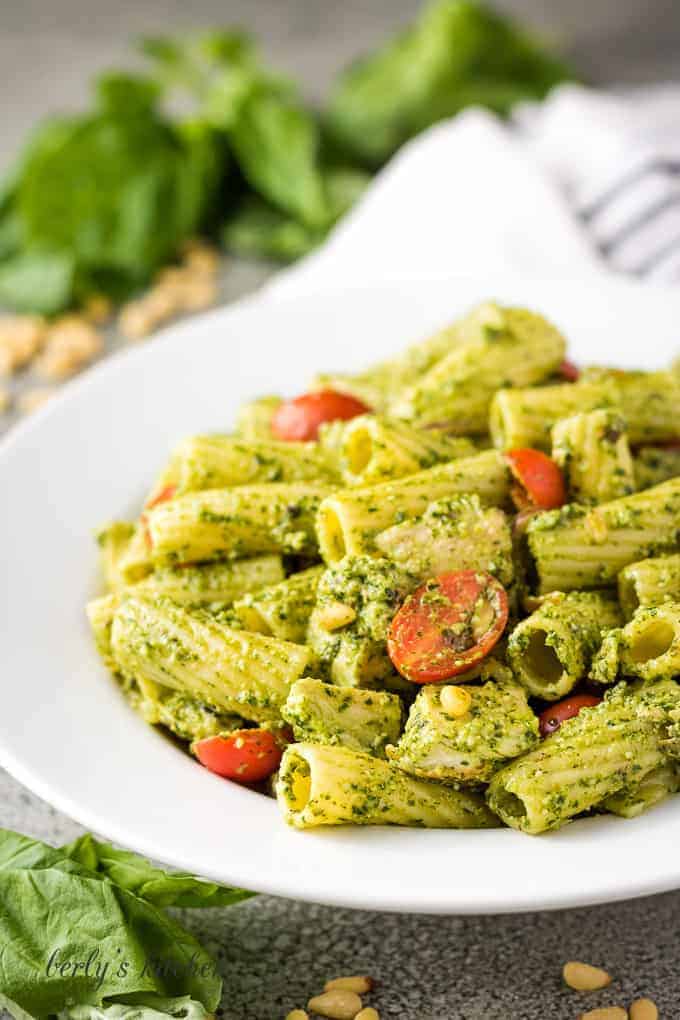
442 592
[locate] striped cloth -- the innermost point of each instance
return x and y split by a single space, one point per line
585 183
617 158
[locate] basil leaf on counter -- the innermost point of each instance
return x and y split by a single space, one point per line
459 52
83 925
137 875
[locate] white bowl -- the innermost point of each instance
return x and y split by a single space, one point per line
66 732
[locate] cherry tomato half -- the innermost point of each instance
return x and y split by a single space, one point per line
299 419
162 496
247 756
447 625
542 483
569 371
552 718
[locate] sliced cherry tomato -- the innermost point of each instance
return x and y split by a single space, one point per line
552 718
541 481
447 625
569 371
162 496
248 756
299 419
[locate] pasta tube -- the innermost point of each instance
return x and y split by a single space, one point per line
218 462
655 787
254 419
229 670
334 785
501 347
497 726
592 756
656 464
579 548
125 561
100 613
282 610
649 583
377 385
238 522
349 521
647 647
648 401
186 717
551 650
454 533
342 716
592 450
375 449
113 541
356 602
211 584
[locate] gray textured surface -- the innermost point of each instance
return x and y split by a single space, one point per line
275 953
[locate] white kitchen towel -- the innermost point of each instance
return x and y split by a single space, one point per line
581 184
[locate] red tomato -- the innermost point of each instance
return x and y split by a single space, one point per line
541 479
163 496
299 419
447 625
569 371
248 756
552 718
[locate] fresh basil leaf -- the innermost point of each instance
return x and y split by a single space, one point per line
458 52
257 230
12 1007
276 145
37 282
139 876
53 921
126 94
146 1007
344 187
117 190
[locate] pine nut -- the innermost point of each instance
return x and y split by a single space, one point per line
584 978
297 1014
644 1009
608 1013
97 309
368 1014
31 400
455 700
21 337
336 1005
359 984
202 260
135 322
335 615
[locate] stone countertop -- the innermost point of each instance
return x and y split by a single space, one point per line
276 953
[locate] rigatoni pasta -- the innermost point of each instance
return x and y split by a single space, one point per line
238 522
349 520
334 786
592 450
552 649
649 583
384 602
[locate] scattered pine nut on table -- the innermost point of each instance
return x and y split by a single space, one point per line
359 983
336 1005
643 1009
582 977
